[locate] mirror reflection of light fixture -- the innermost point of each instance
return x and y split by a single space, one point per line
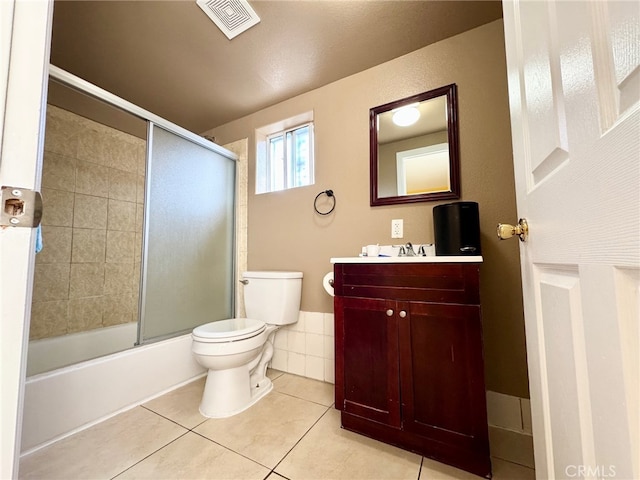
407 115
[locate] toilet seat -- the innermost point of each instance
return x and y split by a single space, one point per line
230 330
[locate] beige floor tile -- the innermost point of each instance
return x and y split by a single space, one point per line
181 405
329 452
432 470
275 476
305 388
192 456
503 470
104 450
266 431
273 374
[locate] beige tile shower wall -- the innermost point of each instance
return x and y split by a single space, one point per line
87 275
240 148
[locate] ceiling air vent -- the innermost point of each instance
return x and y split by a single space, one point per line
231 16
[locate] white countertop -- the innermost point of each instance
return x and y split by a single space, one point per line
428 259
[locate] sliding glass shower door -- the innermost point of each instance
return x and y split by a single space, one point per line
189 222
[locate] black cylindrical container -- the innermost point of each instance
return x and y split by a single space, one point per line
457 229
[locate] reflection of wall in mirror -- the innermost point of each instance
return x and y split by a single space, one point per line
387 172
424 170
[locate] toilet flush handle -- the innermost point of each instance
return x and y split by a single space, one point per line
244 282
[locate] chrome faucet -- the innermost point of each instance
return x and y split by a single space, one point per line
422 252
410 251
402 252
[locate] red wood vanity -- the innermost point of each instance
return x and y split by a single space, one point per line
409 361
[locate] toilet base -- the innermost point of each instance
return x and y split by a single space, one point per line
236 396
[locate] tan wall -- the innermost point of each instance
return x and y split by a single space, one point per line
284 232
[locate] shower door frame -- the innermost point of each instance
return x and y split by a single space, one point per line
94 91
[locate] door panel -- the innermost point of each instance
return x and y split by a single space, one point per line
370 351
541 75
190 208
574 87
567 392
25 36
442 372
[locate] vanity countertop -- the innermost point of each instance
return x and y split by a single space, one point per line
428 259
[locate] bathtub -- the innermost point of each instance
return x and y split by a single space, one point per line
64 401
50 354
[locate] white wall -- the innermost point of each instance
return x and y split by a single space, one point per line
306 348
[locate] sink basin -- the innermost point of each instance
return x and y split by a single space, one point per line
429 259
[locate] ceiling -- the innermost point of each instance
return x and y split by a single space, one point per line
168 57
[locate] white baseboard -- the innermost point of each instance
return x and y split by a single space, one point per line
306 348
510 435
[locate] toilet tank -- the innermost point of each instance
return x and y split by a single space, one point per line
273 296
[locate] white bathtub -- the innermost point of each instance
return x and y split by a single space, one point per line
67 400
52 353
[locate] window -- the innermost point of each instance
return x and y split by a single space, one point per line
285 156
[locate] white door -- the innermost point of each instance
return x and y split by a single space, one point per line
574 88
25 27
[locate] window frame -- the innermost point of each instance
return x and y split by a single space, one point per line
266 167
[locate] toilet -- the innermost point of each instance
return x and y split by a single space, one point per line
236 351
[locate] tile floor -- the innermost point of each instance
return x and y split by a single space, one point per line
292 433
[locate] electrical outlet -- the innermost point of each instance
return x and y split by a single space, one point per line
396 228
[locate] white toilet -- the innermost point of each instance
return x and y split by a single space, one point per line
236 351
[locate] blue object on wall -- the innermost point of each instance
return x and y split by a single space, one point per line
38 238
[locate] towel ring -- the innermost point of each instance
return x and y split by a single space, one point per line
328 193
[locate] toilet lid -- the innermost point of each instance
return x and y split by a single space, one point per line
229 330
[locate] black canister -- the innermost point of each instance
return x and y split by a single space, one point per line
457 229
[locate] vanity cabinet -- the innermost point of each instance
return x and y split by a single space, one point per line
409 361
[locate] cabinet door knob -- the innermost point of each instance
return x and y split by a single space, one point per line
389 313
402 314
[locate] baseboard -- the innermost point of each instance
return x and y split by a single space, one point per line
510 436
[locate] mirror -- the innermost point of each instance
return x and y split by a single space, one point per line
414 149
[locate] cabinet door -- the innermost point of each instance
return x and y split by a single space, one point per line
367 374
442 373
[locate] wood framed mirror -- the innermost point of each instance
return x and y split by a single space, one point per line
414 150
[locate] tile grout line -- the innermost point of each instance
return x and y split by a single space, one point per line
273 470
169 419
305 399
228 448
165 445
152 453
192 430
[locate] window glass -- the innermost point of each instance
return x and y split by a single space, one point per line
285 159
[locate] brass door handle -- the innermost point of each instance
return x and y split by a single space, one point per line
506 231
